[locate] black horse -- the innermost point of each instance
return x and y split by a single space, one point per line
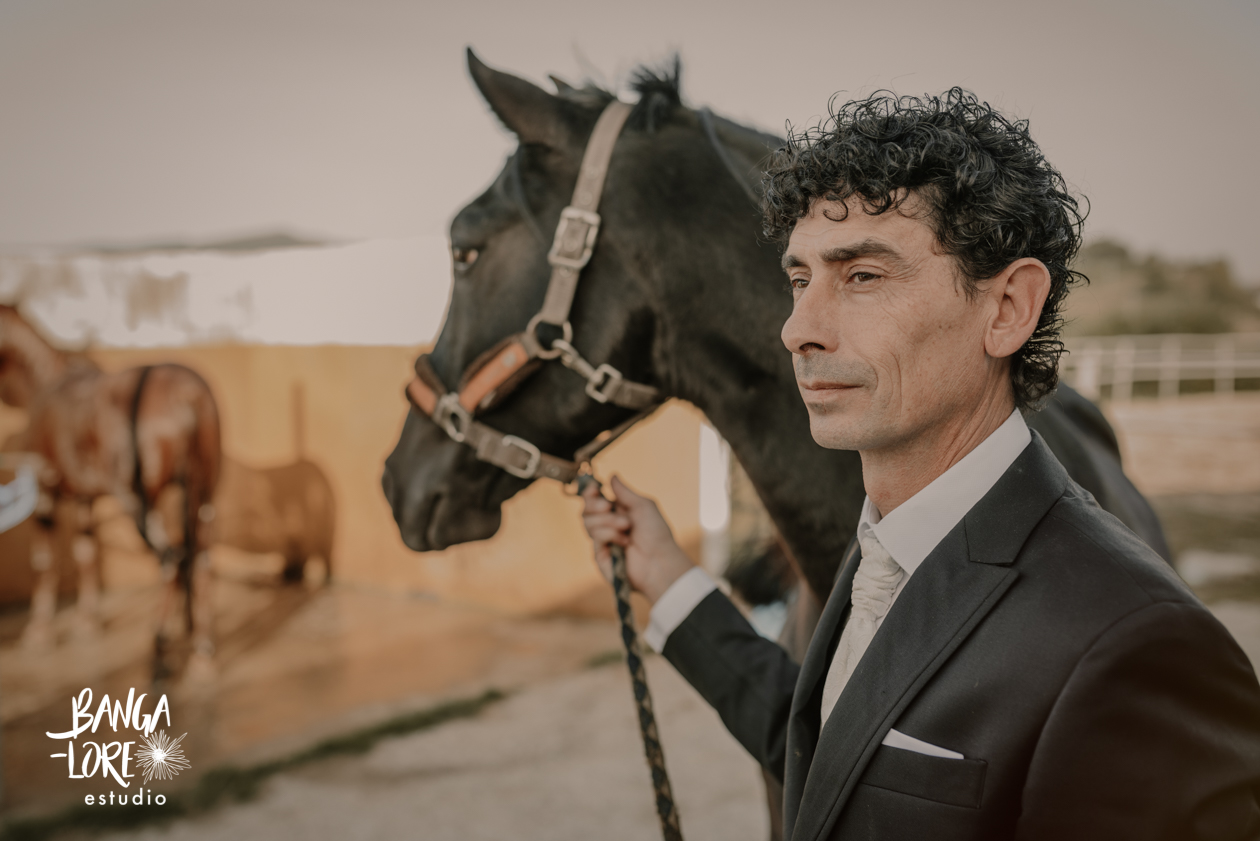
681 293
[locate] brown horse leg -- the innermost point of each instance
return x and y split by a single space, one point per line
201 664
86 552
197 518
159 540
294 565
38 635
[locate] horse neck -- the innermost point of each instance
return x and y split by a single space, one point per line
42 363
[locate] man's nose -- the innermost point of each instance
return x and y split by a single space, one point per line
805 330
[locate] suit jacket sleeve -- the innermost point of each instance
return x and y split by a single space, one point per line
1155 736
747 678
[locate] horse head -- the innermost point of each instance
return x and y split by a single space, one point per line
25 359
440 492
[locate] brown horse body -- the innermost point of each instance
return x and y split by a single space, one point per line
288 510
147 436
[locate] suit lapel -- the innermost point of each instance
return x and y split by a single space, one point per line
817 656
802 735
949 595
944 600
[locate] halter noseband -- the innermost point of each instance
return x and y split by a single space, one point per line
494 374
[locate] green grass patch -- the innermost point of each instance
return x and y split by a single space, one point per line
231 784
606 658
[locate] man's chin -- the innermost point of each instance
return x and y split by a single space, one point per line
832 433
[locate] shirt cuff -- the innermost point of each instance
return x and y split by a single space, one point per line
675 605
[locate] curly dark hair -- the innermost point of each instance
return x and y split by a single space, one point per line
991 196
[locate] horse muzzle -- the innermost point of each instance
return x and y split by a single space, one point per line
438 494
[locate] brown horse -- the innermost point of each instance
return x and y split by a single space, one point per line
148 436
289 509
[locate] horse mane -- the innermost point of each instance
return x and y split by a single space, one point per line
43 363
659 89
660 94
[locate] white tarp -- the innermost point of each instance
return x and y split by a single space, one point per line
18 499
377 292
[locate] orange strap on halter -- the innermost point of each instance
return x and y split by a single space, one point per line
506 366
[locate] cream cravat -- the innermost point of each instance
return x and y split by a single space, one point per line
874 584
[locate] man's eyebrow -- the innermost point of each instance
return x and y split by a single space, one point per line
842 253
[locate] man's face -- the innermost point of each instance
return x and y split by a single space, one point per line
886 344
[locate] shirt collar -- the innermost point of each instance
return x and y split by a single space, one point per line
915 527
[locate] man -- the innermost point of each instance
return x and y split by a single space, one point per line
999 658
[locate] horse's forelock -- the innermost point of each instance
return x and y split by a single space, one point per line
659 88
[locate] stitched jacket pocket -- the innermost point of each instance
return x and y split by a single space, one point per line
956 782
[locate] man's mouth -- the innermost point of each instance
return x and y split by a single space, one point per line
822 387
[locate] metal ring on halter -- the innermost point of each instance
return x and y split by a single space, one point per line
543 351
447 412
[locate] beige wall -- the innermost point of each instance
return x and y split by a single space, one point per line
354 412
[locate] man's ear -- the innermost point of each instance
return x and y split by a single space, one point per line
527 110
1018 293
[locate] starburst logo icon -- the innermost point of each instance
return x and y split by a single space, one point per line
162 757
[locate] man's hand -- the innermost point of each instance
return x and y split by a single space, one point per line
653 560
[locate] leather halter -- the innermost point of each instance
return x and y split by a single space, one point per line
494 374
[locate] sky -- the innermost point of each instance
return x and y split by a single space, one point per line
137 120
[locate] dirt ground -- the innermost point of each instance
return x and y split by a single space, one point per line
296 665
560 757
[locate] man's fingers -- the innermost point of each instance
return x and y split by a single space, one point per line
610 519
607 533
608 527
624 495
596 505
595 502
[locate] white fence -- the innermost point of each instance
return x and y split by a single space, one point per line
1109 366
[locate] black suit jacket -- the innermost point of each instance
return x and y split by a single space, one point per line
1090 693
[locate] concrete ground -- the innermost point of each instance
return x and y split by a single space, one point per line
558 761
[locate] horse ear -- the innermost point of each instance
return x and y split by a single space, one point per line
528 111
562 87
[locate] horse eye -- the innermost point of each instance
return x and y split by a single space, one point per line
464 257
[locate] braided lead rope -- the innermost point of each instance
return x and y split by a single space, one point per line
665 808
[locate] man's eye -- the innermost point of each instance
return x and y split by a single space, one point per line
464 258
798 283
863 277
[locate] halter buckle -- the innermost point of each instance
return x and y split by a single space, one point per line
603 383
452 417
575 238
535 457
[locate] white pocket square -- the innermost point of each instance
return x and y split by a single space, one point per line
897 739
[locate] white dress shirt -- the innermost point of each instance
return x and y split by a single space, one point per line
910 532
